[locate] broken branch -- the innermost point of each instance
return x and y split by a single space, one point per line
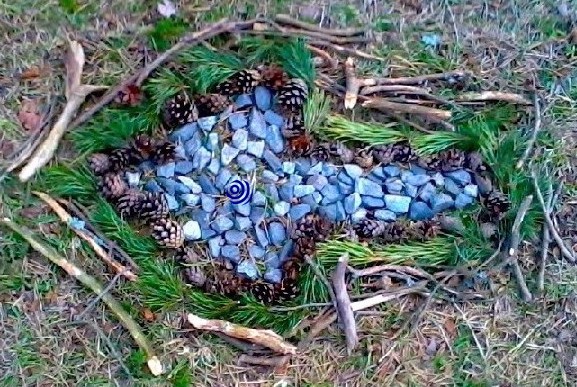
344 303
286 19
536 130
385 297
382 104
421 78
493 96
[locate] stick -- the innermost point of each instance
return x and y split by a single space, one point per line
493 96
543 259
421 78
384 105
385 297
74 271
345 50
83 234
317 328
76 93
265 338
276 361
374 270
284 32
353 84
404 89
324 279
536 130
344 303
286 19
332 62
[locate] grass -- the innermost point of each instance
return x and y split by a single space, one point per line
37 299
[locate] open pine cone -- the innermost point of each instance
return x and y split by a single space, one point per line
293 95
168 233
211 104
179 110
273 76
241 82
112 186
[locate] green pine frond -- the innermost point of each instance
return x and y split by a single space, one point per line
338 128
297 61
428 144
258 50
316 110
164 85
61 180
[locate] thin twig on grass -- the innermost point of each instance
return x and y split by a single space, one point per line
262 337
344 303
286 19
295 33
385 297
242 345
99 296
74 271
332 62
546 239
405 89
274 361
83 234
493 96
420 79
536 130
321 324
345 50
323 278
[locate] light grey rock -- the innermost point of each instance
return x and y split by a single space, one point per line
227 154
277 233
152 186
257 124
385 215
172 203
147 167
394 185
328 170
417 180
187 181
366 187
288 167
462 200
272 260
202 217
258 199
192 145
303 166
184 134
222 224
273 118
352 203
242 208
207 233
180 152
343 177
411 190
255 148
273 161
133 178
214 166
298 211
392 170
207 123
452 187
274 139
268 176
243 100
232 253
397 203
256 252
262 98
237 121
168 185
286 191
331 194
257 215
460 177
183 167
420 211
208 203
345 189
246 163
190 199
281 208
301 190
180 188
223 178
243 223
418 170
311 200
240 139
427 192
212 143
191 230
261 237
439 179
316 169
353 170
317 181
235 237
334 212
359 215
471 190
273 276
207 185
295 179
441 202
372 202
379 173
272 192
166 170
214 246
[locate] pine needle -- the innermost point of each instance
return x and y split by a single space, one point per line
428 144
339 128
316 110
65 181
297 61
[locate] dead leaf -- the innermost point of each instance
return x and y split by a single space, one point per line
51 297
29 114
6 148
33 212
74 62
147 314
32 72
450 327
130 95
166 8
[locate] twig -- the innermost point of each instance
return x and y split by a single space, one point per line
353 84
317 328
436 115
493 96
421 78
76 93
374 270
564 250
344 303
265 338
385 297
240 344
323 278
284 32
275 361
404 89
286 19
536 130
332 62
345 50
99 296
74 271
512 252
543 259
66 218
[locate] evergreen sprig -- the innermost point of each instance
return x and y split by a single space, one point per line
316 110
339 128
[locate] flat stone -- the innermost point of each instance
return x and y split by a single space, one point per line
214 166
222 224
331 194
246 163
192 145
212 143
411 190
288 167
345 178
311 200
147 167
371 202
207 123
240 139
392 170
316 169
235 237
202 217
460 177
438 179
223 178
273 161
418 170
256 252
242 208
166 170
214 246
168 185
379 173
230 252
394 185
366 187
257 124
191 184
227 154
353 170
352 203
152 186
191 230
397 203
334 212
471 190
180 152
243 100
258 199
268 176
257 214
452 187
255 148
180 188
273 118
385 215
272 192
273 276
328 170
463 200
261 237
295 179
300 210
346 189
190 199
207 233
262 97
359 215
442 202
242 223
418 180
281 208
427 192
183 167
277 233
184 134
420 211
237 121
286 192
272 260
286 250
208 203
301 190
317 181
303 166
173 205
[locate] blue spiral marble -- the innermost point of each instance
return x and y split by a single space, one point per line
239 192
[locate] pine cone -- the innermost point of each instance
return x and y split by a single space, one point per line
293 95
312 226
151 206
496 203
168 233
341 151
424 230
294 125
211 104
99 163
128 205
431 162
112 186
163 153
224 281
264 292
122 158
179 110
273 77
305 247
369 228
242 82
474 161
364 158
452 159
192 272
320 153
399 152
395 232
142 145
301 145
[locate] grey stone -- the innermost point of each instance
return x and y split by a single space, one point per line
346 189
227 154
418 180
180 152
286 192
214 246
207 123
359 215
133 178
258 199
191 230
223 178
261 237
462 200
352 203
268 176
272 192
427 192
411 190
212 143
235 237
168 185
172 203
281 208
328 170
471 190
192 145
207 233
256 252
190 199
317 181
366 187
379 173
460 176
374 178
202 217
237 121
452 187
334 212
300 210
246 163
262 97
222 224
255 148
273 118
331 194
243 100
303 166
152 186
208 203
345 178
273 161
353 170
230 252
240 139
286 250
418 170
288 167
214 166
392 170
257 124
207 185
316 169
385 215
277 233
442 202
257 214
394 185
180 188
397 203
420 211
242 208
183 167
147 167
371 202
187 181
438 179
311 200
184 134
166 170
273 276
301 190
242 223
295 179
272 260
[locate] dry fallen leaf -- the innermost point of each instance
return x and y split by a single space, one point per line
130 95
147 314
30 73
29 115
166 8
450 327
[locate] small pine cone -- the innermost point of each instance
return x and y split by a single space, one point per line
287 290
193 274
364 158
424 229
341 151
320 153
474 161
273 77
400 152
122 158
294 125
179 110
305 247
452 159
395 232
496 203
128 205
152 206
312 226
211 104
142 145
369 228
168 233
112 186
301 145
163 153
224 281
99 163
242 82
293 95
264 292
431 162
